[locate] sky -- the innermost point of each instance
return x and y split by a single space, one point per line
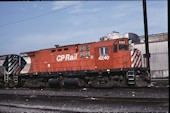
30 26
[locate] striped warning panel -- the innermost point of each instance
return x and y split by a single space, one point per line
136 58
13 64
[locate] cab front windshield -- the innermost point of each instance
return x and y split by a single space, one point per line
123 45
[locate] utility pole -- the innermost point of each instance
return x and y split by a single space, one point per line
147 55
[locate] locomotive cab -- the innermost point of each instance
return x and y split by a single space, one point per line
113 54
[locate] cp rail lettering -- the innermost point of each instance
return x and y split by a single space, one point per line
66 57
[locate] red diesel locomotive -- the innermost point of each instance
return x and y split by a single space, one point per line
106 63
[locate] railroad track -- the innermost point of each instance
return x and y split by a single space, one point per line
85 98
35 103
160 82
83 101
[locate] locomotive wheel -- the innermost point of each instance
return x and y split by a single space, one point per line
73 82
1 83
35 83
101 83
12 84
123 83
54 83
141 82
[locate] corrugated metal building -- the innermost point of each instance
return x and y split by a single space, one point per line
158 59
155 37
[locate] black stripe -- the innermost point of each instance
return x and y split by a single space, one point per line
14 67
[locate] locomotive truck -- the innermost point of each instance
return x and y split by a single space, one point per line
110 62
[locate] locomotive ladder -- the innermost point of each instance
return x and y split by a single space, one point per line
5 74
131 77
6 77
15 78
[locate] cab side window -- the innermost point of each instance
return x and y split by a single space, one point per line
103 51
115 48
